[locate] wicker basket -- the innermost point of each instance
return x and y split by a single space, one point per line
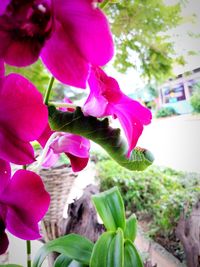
58 182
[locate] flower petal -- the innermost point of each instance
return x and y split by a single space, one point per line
78 164
14 150
88 29
106 99
73 144
27 202
2 69
43 138
132 128
22 110
21 227
64 60
21 54
3 6
50 159
5 174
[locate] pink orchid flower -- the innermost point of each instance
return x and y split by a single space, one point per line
74 146
68 35
23 117
23 203
106 99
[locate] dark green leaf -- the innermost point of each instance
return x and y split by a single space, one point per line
101 133
131 255
76 264
116 250
108 250
62 261
131 228
73 246
110 207
100 250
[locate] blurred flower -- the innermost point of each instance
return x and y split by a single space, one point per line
106 99
68 35
23 203
23 117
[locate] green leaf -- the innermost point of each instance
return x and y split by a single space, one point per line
73 246
76 264
131 228
100 250
101 133
10 265
116 251
110 207
108 250
62 261
131 256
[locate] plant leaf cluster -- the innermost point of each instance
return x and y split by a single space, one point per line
114 248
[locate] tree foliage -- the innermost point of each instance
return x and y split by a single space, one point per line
139 28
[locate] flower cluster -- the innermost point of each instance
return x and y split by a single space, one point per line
73 40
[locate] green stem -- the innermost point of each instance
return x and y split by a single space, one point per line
28 252
48 91
102 5
28 242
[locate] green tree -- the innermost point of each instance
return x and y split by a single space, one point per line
139 28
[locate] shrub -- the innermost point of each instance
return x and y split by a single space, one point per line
195 101
166 112
160 192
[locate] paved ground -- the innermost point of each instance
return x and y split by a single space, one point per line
175 142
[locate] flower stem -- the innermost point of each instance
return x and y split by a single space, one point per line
63 105
48 91
28 242
28 252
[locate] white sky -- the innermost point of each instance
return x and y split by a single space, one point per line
182 43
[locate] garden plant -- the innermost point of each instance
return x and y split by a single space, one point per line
73 41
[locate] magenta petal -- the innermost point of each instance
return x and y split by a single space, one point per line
2 69
20 227
96 103
5 174
3 6
132 128
132 116
104 90
139 111
78 164
14 150
88 29
27 202
50 159
64 59
105 93
43 138
26 116
21 54
73 144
